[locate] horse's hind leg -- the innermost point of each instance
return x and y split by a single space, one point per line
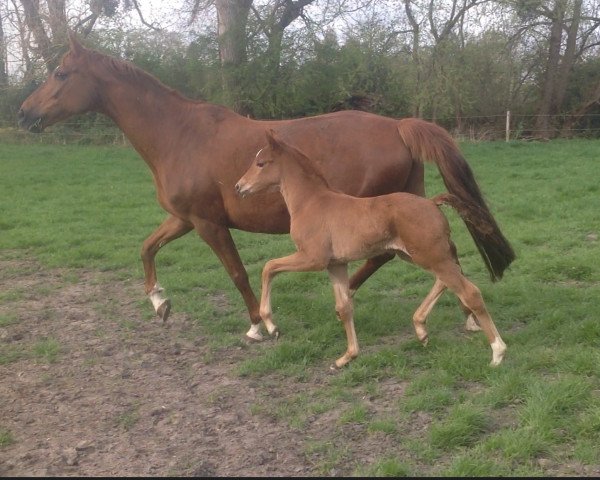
345 311
368 269
471 297
421 314
170 229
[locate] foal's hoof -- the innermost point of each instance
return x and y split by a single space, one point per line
275 333
164 310
471 324
425 340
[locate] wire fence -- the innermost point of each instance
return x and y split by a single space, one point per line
102 131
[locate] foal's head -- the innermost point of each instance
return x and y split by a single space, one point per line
68 90
265 171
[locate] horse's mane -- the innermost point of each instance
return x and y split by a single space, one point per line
127 70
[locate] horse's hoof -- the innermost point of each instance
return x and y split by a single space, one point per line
333 368
164 310
425 340
252 340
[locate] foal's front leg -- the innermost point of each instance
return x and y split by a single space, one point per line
297 262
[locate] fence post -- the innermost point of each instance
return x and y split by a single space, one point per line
507 125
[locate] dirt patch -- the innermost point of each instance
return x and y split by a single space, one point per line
93 389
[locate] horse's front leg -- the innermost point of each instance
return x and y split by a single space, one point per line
297 262
220 241
170 229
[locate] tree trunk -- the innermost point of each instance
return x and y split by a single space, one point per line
50 49
547 105
3 63
232 17
416 60
569 57
575 116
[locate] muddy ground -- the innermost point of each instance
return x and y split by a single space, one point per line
89 386
92 388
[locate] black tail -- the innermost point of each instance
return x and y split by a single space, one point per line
430 142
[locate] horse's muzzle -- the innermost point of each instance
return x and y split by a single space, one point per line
28 122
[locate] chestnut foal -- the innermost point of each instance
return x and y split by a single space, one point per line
331 229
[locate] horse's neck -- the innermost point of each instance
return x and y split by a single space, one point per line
152 116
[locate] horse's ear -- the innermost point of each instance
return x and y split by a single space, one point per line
74 44
273 139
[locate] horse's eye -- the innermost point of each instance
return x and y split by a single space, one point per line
59 74
260 164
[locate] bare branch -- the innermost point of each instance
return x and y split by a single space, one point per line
137 7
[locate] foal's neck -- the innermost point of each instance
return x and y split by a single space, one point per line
300 182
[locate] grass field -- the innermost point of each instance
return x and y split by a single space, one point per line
92 207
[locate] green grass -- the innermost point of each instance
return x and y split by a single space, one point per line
6 437
92 207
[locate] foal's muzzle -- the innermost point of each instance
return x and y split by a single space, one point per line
241 190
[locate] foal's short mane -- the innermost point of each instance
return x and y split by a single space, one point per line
310 168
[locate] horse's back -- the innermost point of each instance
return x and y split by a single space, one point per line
360 153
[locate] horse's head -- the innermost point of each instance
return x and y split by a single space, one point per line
68 90
265 171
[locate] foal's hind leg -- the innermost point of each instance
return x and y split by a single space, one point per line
170 229
345 311
471 324
368 269
421 314
471 297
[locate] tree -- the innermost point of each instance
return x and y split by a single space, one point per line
568 32
232 18
3 59
445 28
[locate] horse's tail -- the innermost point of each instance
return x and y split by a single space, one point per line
430 142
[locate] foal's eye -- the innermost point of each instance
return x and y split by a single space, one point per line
260 164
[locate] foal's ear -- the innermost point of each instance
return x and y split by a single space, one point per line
273 139
74 43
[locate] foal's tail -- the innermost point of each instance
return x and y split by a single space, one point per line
430 142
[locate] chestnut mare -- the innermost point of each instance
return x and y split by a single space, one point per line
330 229
197 151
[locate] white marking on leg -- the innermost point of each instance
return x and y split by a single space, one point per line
271 327
498 350
254 332
155 296
471 324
